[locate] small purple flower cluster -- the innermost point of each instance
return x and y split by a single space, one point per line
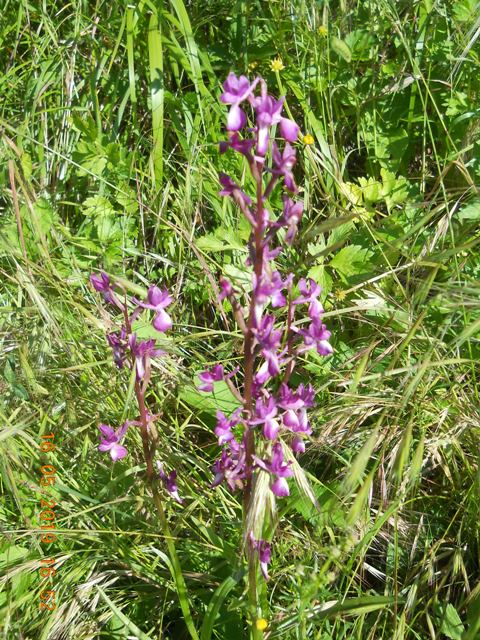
272 342
129 350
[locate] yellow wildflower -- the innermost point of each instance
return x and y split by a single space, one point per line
340 294
308 139
323 31
277 64
252 65
261 624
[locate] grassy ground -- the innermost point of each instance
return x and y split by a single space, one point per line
109 124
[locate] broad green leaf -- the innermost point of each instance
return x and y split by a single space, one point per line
97 207
220 398
450 623
470 211
351 260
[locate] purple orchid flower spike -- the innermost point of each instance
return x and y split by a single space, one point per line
111 441
278 468
271 339
157 300
169 482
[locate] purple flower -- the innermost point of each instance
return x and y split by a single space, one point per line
289 129
102 284
272 288
264 551
208 377
236 90
297 421
118 341
142 352
316 336
230 466
243 146
268 339
265 412
298 445
231 188
283 164
111 441
309 293
226 289
278 468
268 113
170 482
157 300
292 213
224 425
289 399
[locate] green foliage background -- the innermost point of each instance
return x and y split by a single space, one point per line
109 124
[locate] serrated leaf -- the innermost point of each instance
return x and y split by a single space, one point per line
97 207
220 240
351 260
341 48
322 277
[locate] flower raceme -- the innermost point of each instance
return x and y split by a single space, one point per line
270 427
132 352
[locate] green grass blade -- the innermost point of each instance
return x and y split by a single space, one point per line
155 53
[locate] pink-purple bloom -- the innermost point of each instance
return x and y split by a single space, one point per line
264 551
224 426
157 300
110 441
143 351
208 377
273 413
278 468
102 284
283 164
169 482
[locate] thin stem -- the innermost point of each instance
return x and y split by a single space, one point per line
148 454
249 363
289 338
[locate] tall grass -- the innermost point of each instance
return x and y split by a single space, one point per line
109 125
